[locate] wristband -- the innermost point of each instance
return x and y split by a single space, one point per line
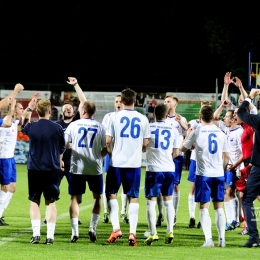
29 109
75 84
249 97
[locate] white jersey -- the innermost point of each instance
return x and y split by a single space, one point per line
106 119
210 144
171 120
234 144
128 128
194 124
8 137
159 150
88 139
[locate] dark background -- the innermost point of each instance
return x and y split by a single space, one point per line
159 46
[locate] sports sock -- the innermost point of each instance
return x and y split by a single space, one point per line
160 204
170 213
228 212
94 221
124 201
113 205
151 215
192 205
133 216
74 226
8 198
220 223
176 200
2 202
233 208
50 230
36 227
205 221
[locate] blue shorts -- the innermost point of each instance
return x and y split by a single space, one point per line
106 162
192 171
209 187
77 183
230 178
7 171
157 183
129 178
178 161
46 182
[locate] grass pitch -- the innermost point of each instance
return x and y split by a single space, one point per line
14 239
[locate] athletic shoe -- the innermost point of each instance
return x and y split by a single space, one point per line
92 235
74 239
151 239
199 225
2 222
251 242
192 223
105 218
35 240
228 227
243 232
49 241
132 240
234 224
147 234
169 238
125 218
175 221
79 222
221 243
114 236
209 243
160 219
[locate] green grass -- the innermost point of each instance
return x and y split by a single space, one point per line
14 239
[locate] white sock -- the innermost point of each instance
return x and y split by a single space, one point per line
176 200
36 227
192 205
8 199
94 221
105 199
114 208
205 221
160 204
124 201
151 215
233 208
133 210
170 213
220 223
74 226
2 202
228 212
50 230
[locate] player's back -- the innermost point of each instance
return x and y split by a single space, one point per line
128 128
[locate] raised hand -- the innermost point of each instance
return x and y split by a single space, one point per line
32 103
227 78
72 81
237 82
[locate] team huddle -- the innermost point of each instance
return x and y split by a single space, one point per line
223 164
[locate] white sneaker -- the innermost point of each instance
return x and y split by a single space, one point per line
147 233
209 243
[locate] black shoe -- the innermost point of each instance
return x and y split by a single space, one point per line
251 242
79 222
44 221
159 221
74 239
49 241
2 222
175 220
192 223
126 219
35 240
105 218
199 225
92 235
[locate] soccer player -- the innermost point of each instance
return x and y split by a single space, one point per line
46 145
124 200
8 138
87 140
212 158
159 178
129 132
180 123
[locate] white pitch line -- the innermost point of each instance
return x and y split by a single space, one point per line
13 236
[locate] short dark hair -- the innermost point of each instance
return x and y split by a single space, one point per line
160 111
128 96
206 113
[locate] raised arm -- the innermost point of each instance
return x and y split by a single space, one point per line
227 81
73 81
26 117
7 122
5 102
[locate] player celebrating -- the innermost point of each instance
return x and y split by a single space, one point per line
129 131
159 179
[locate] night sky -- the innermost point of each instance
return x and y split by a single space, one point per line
180 46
